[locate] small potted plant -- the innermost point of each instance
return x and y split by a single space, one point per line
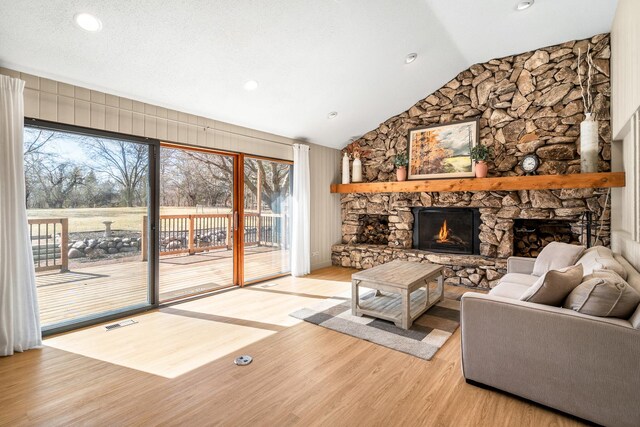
480 154
401 163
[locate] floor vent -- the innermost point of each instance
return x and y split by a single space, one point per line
120 324
269 285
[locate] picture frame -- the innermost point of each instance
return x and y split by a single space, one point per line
443 150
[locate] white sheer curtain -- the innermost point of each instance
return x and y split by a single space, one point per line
300 233
19 316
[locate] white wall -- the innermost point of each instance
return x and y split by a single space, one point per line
625 106
625 64
326 225
60 102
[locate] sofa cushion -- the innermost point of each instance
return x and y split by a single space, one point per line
554 286
604 293
509 290
519 279
601 258
556 255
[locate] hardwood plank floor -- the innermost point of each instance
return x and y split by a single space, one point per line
175 368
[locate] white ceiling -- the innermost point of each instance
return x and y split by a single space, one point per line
309 56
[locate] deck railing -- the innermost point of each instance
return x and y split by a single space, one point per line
204 232
49 243
194 233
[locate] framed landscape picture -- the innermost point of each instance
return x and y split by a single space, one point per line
442 151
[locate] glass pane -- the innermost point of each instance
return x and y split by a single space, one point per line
267 219
87 200
196 220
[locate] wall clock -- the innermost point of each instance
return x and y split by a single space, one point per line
530 164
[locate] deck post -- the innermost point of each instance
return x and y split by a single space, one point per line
229 236
259 197
192 235
64 243
143 240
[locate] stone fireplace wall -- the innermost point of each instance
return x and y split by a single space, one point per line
527 103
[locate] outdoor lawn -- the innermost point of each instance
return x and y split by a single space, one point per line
130 219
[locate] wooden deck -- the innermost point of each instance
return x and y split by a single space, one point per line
85 291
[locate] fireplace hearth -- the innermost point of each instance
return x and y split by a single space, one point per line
448 230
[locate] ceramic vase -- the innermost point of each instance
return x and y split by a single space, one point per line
401 173
589 144
481 169
356 174
345 168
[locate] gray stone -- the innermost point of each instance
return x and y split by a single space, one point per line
75 253
540 57
544 199
79 245
553 96
525 83
557 152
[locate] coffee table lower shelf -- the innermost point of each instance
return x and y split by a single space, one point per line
388 306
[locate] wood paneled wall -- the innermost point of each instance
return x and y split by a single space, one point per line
625 112
60 102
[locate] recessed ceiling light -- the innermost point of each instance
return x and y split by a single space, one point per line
526 4
88 22
332 115
410 58
251 85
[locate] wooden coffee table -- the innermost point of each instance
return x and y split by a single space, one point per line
403 278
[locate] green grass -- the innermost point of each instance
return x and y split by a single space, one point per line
90 219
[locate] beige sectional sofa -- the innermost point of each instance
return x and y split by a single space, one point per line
580 364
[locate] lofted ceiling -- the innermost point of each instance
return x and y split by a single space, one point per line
310 57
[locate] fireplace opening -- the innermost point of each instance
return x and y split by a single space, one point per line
450 230
531 235
373 229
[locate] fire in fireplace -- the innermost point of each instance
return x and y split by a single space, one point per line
452 230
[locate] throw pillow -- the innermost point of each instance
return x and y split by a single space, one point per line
553 287
556 255
604 293
601 258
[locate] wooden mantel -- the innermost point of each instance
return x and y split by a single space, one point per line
506 183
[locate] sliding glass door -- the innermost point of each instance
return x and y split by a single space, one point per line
197 230
88 200
267 218
119 223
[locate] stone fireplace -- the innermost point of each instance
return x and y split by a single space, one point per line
525 104
448 230
501 215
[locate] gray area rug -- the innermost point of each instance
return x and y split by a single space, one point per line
427 334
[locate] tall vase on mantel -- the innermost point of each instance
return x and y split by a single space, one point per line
356 175
589 144
345 168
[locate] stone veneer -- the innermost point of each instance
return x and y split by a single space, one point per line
527 103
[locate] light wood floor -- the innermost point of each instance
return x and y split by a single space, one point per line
91 289
175 368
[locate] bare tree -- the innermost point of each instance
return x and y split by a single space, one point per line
124 162
34 142
58 181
